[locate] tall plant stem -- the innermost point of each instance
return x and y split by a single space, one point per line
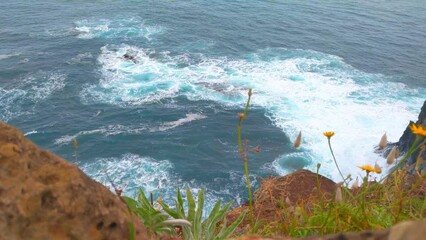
243 155
335 162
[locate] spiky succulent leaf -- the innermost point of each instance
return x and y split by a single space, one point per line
197 225
208 224
173 213
227 231
155 221
191 205
179 206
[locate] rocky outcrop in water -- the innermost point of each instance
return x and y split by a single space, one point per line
42 196
407 138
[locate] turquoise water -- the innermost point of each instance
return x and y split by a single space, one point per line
168 118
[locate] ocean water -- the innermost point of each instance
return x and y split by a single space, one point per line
168 118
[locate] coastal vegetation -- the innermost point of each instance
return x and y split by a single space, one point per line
159 218
367 204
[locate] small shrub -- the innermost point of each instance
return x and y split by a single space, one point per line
213 227
156 221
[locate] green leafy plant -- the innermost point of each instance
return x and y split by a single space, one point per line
156 221
213 227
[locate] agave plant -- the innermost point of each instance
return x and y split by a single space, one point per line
156 221
213 227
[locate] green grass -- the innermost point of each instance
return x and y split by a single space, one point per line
373 206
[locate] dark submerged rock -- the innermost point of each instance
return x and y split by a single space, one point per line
130 57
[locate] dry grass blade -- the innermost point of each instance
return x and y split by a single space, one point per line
390 159
338 197
298 140
383 142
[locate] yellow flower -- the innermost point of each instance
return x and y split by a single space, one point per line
418 129
369 168
328 134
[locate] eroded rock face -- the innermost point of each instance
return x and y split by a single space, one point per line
407 138
42 196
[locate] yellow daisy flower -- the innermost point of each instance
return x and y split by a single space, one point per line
328 134
369 168
418 129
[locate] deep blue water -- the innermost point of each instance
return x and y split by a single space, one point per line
168 118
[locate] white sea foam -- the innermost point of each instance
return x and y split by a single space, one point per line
42 85
80 58
112 130
300 90
134 171
28 92
109 130
116 28
30 133
6 56
52 32
10 103
188 118
25 60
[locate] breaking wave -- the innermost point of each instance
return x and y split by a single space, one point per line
299 89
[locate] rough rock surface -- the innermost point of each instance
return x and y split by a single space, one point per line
43 196
407 138
298 188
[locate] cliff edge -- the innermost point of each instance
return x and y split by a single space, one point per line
42 196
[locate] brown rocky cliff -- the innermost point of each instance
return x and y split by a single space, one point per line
298 188
42 196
